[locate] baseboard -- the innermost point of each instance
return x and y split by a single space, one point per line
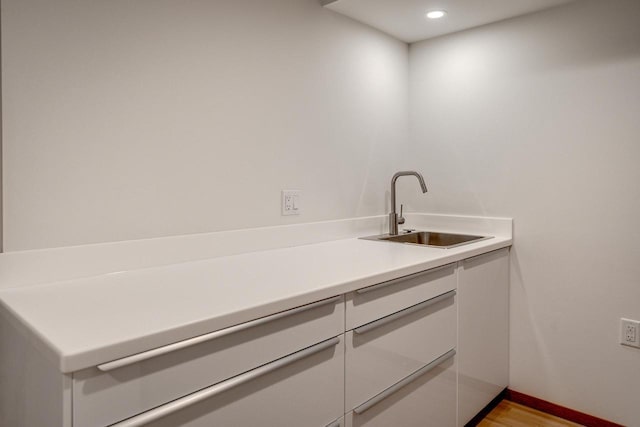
485 411
557 410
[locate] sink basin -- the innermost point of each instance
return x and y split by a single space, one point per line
430 238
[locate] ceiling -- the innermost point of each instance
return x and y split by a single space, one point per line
405 19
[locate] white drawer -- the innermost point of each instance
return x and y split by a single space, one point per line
302 389
102 398
383 352
368 304
426 399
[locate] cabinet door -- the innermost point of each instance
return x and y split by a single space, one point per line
304 388
429 400
483 331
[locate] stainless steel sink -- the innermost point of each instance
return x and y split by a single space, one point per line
430 238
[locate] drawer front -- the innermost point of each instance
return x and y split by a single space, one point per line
426 401
368 304
383 352
306 392
103 398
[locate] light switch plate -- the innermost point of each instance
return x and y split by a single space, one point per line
291 202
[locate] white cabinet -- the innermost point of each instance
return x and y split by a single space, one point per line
426 400
368 304
483 331
306 391
383 352
400 367
105 397
429 349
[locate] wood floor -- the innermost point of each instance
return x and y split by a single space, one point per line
509 414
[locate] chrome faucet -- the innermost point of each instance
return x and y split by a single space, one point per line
394 219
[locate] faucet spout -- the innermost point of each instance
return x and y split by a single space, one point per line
394 220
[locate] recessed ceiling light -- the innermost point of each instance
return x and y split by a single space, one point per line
436 14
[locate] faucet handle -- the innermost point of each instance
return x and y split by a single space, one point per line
401 218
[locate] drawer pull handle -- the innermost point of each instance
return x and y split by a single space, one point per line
402 279
335 424
139 357
209 392
407 311
397 386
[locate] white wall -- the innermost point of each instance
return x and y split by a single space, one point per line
538 118
132 119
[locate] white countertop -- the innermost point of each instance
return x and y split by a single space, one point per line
84 322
